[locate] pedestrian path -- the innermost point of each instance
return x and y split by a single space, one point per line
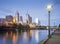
55 38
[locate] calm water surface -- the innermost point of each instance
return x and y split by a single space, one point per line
26 37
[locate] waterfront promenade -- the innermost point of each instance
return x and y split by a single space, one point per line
55 38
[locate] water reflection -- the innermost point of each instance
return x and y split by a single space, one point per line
14 38
31 33
37 36
6 35
23 37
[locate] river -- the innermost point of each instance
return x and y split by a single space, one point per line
23 37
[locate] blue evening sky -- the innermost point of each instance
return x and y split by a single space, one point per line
36 9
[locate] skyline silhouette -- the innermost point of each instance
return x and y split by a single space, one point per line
36 9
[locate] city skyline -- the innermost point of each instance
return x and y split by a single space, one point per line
35 8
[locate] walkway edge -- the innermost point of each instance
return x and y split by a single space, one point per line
44 41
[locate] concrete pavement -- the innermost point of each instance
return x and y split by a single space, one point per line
55 38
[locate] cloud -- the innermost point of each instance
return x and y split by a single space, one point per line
5 10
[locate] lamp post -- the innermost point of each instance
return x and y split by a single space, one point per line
49 7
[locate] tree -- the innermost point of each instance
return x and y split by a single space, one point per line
14 25
59 25
27 27
20 26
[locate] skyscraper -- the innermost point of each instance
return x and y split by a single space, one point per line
28 18
37 22
17 17
21 19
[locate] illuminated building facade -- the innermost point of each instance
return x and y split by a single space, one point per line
28 18
37 22
14 20
17 17
21 19
9 18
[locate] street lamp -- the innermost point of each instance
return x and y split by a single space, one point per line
49 7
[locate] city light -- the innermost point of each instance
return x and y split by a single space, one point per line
14 20
49 7
31 25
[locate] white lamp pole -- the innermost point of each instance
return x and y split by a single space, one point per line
49 7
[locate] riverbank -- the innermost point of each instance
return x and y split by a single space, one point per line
55 38
47 38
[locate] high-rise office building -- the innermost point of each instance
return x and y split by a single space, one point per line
37 22
17 17
28 18
9 18
21 19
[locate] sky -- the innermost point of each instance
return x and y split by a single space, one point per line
35 8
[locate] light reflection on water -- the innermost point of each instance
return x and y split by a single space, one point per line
14 38
26 37
37 36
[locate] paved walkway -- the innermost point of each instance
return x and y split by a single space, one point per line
55 39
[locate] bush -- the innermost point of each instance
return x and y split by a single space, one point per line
59 25
20 26
14 25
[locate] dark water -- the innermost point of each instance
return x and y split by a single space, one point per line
26 37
